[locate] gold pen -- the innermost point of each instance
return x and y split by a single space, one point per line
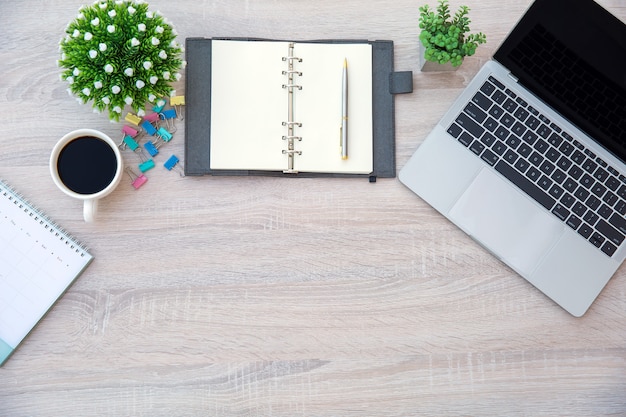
344 111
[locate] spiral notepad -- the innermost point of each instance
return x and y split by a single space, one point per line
38 262
276 106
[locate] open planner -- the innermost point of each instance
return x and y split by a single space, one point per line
266 107
38 262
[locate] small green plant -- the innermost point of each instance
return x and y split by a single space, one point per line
444 37
118 53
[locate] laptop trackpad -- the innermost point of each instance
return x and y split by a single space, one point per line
506 222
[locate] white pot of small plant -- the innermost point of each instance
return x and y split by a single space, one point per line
444 39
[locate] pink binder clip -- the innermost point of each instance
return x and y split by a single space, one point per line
136 180
127 130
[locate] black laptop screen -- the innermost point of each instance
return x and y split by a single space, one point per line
573 56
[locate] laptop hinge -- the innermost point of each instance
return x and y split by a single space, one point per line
513 77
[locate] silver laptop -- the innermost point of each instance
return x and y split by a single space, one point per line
530 161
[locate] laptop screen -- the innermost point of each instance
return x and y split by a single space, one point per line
572 55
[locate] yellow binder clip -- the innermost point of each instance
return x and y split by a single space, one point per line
131 118
178 102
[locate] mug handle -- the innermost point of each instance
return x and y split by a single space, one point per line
90 208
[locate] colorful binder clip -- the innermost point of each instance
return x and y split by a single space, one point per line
172 163
158 108
134 146
168 116
146 165
127 130
136 180
152 117
147 126
178 102
131 118
152 150
163 136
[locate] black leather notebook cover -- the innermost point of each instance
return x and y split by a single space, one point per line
385 83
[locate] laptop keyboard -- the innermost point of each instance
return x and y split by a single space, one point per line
545 162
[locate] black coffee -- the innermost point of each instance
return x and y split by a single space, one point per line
87 165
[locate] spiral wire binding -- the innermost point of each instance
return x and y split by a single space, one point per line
39 216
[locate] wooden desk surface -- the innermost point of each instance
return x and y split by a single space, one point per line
279 297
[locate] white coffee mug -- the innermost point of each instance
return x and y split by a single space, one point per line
86 164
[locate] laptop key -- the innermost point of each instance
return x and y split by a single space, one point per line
499 147
532 122
490 124
560 212
591 218
610 232
488 139
608 248
525 185
558 176
481 101
597 239
455 130
522 165
510 157
593 202
605 211
585 230
619 222
475 112
466 139
544 131
487 88
477 147
471 126
489 157
496 111
573 222
612 183
544 182
556 191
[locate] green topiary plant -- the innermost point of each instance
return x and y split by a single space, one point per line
118 53
445 39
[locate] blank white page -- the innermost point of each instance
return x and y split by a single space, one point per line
249 105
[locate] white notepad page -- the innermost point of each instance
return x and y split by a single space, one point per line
38 262
248 106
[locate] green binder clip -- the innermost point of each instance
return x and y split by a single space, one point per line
158 108
146 165
131 144
163 136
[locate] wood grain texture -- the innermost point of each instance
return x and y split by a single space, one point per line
287 297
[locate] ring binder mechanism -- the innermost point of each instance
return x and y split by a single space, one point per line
291 124
302 118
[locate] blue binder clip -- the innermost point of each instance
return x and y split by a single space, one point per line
172 164
168 116
152 150
147 126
